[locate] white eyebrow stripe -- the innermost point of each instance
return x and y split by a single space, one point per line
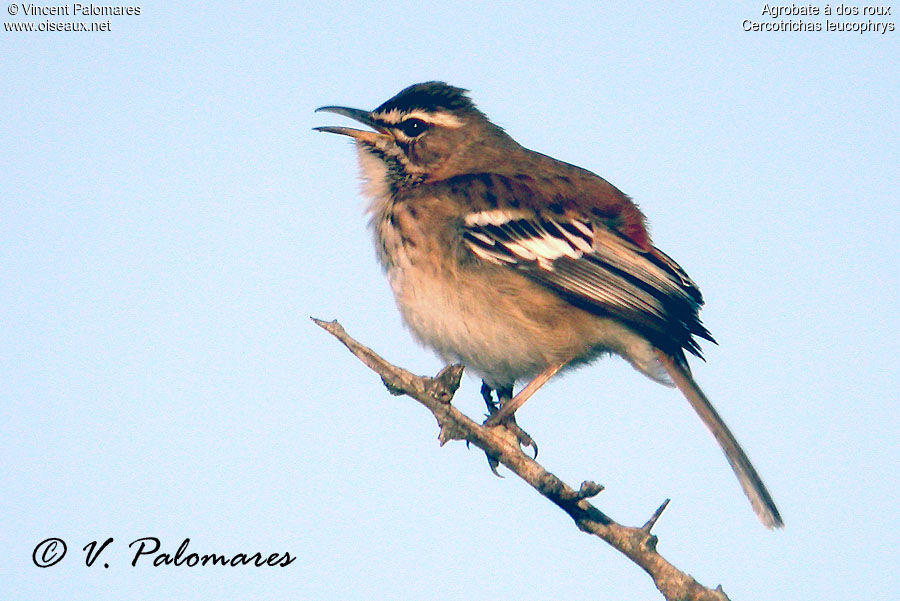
442 119
439 118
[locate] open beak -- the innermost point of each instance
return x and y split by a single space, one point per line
364 117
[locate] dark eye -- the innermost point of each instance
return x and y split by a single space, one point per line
412 128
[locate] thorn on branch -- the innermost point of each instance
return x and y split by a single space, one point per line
449 432
443 386
655 517
394 390
588 489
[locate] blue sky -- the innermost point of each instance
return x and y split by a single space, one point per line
169 221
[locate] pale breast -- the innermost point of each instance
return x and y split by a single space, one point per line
493 320
508 331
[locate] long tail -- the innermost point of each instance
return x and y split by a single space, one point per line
750 481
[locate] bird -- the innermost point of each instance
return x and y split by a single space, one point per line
520 266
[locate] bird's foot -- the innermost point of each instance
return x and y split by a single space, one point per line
522 437
508 423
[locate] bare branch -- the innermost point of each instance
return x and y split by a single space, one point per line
498 443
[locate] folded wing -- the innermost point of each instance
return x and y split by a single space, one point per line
596 268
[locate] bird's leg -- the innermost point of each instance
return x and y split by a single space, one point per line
509 422
492 407
486 391
509 406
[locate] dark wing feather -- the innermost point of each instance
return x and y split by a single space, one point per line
594 267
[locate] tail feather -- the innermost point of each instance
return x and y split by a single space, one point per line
750 481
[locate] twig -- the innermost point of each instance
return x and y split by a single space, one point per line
655 517
638 544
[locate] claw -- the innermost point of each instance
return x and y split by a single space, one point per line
522 437
494 464
509 422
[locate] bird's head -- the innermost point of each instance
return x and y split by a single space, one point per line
428 131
